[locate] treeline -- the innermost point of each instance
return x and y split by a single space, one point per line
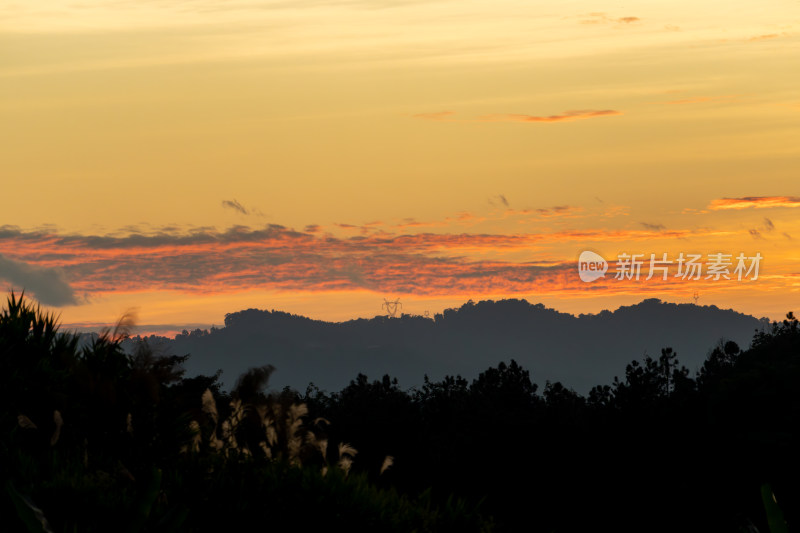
97 439
656 450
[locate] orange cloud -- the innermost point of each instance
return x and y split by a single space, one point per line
566 116
616 210
278 258
764 37
413 223
602 18
466 216
746 202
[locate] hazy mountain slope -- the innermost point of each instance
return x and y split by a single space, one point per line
578 351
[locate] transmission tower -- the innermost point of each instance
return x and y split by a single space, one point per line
392 307
696 297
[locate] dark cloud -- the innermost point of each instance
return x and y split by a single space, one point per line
755 234
557 210
235 205
500 199
48 284
653 227
769 226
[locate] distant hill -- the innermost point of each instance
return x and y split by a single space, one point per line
580 351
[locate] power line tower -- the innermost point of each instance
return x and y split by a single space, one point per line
392 308
696 297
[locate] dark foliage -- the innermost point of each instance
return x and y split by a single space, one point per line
99 439
657 450
96 439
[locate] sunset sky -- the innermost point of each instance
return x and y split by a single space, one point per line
195 158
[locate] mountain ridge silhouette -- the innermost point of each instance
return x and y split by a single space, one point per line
579 351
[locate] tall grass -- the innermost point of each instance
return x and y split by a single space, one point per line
94 439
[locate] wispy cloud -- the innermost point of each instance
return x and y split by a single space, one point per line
466 217
603 18
235 205
461 219
566 116
746 202
758 232
414 223
559 211
500 198
616 210
653 227
764 37
757 38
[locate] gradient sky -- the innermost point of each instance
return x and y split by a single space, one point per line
190 159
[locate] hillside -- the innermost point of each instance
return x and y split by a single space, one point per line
580 351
